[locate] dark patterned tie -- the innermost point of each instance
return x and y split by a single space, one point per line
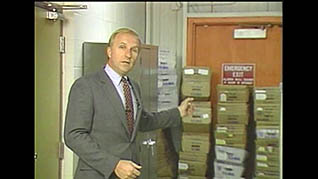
129 106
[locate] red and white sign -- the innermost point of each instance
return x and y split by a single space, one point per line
238 74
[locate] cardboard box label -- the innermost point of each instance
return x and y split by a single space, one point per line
261 164
227 170
230 154
220 141
261 157
267 133
188 71
183 166
203 72
260 96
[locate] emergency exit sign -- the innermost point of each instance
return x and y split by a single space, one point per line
238 74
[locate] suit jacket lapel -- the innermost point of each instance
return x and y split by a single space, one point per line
113 97
138 99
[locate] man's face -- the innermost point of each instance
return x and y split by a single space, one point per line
123 53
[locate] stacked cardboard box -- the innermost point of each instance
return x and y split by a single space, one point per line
231 131
195 141
196 82
166 156
231 135
194 156
233 113
267 115
233 93
200 120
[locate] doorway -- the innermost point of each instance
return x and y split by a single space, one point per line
47 96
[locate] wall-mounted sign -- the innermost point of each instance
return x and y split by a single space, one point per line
249 33
238 74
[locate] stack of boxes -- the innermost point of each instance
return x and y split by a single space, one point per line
267 115
166 158
195 141
168 98
167 81
231 131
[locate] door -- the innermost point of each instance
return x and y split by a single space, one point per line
47 92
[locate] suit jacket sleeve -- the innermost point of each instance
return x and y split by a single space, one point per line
158 120
78 123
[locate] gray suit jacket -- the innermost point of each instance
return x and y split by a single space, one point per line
96 127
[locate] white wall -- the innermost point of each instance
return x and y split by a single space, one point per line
94 24
97 23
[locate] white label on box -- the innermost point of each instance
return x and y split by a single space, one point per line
205 116
232 154
222 97
189 71
183 166
262 164
261 157
261 149
222 155
160 84
224 170
267 133
261 134
221 128
203 72
259 109
260 91
260 96
220 141
222 109
270 148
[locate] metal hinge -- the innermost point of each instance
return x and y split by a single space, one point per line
62 44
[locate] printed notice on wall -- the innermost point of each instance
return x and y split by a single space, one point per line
238 74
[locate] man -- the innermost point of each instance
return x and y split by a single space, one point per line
104 114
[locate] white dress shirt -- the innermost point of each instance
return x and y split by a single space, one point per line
116 79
